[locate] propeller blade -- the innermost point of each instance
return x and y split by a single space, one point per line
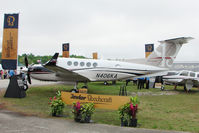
29 79
26 61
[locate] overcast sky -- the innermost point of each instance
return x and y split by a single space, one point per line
113 28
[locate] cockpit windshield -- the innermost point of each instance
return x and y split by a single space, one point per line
172 73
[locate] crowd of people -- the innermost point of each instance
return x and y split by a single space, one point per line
6 74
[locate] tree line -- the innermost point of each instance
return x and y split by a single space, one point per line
32 59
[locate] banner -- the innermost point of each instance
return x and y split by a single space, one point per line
65 49
10 42
100 101
149 48
95 56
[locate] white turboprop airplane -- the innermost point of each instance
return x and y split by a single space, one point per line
186 78
73 70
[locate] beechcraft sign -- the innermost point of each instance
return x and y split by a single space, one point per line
100 101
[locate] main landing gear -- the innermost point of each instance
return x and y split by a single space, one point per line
75 89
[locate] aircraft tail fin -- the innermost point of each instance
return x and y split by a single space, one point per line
166 52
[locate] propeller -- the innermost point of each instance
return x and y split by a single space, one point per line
28 73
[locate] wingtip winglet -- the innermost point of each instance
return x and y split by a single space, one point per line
53 60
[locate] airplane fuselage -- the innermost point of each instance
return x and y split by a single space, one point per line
95 70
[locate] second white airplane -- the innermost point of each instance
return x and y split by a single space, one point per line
186 78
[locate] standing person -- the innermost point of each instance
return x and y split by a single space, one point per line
147 82
1 74
127 81
5 74
140 83
143 81
11 73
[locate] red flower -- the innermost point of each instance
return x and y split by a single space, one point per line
50 98
78 106
54 97
136 106
131 107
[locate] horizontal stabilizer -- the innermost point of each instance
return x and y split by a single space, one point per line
180 40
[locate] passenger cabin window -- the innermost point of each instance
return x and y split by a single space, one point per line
69 63
88 64
82 64
95 64
75 63
184 74
192 74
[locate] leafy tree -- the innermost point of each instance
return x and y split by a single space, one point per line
77 56
32 59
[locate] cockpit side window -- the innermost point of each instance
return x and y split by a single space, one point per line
198 75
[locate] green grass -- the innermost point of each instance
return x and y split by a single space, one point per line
166 112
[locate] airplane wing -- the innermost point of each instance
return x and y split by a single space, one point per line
162 73
62 73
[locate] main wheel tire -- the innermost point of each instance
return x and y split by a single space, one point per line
74 91
105 83
162 87
84 87
25 87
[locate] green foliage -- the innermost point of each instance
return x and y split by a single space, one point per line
124 112
128 111
32 59
56 104
77 56
87 109
83 111
134 100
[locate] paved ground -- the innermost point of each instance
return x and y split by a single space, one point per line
4 83
15 123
